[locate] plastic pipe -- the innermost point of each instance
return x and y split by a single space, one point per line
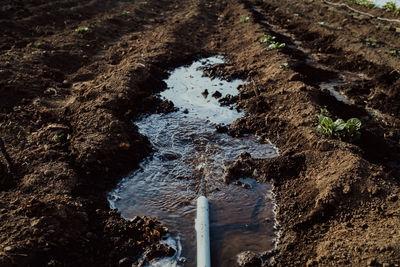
203 233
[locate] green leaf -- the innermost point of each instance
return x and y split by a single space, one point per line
244 19
324 111
327 122
354 122
339 125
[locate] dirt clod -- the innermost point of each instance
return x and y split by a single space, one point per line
248 258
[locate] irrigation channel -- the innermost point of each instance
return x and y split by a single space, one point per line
189 152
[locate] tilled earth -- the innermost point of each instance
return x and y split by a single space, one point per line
68 99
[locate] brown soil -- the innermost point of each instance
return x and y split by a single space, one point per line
67 101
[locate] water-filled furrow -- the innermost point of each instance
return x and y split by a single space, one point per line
189 152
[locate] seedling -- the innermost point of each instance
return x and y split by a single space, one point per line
37 44
383 26
367 4
272 44
61 138
82 29
391 7
276 45
347 131
364 3
284 66
244 19
125 12
321 23
393 53
267 38
369 42
57 137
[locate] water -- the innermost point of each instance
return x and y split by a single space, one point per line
189 150
381 3
330 86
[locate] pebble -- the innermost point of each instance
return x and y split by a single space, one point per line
217 94
221 128
65 84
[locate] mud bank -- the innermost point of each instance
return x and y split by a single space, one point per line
68 99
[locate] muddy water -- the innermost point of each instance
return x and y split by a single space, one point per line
189 152
381 3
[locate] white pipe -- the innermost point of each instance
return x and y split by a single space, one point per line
203 233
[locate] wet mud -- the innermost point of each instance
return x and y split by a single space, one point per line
68 98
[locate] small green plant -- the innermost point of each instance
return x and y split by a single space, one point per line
364 3
368 4
347 131
391 7
57 137
284 66
62 138
383 26
276 45
393 53
267 39
270 41
125 12
244 19
369 42
321 23
82 29
37 44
